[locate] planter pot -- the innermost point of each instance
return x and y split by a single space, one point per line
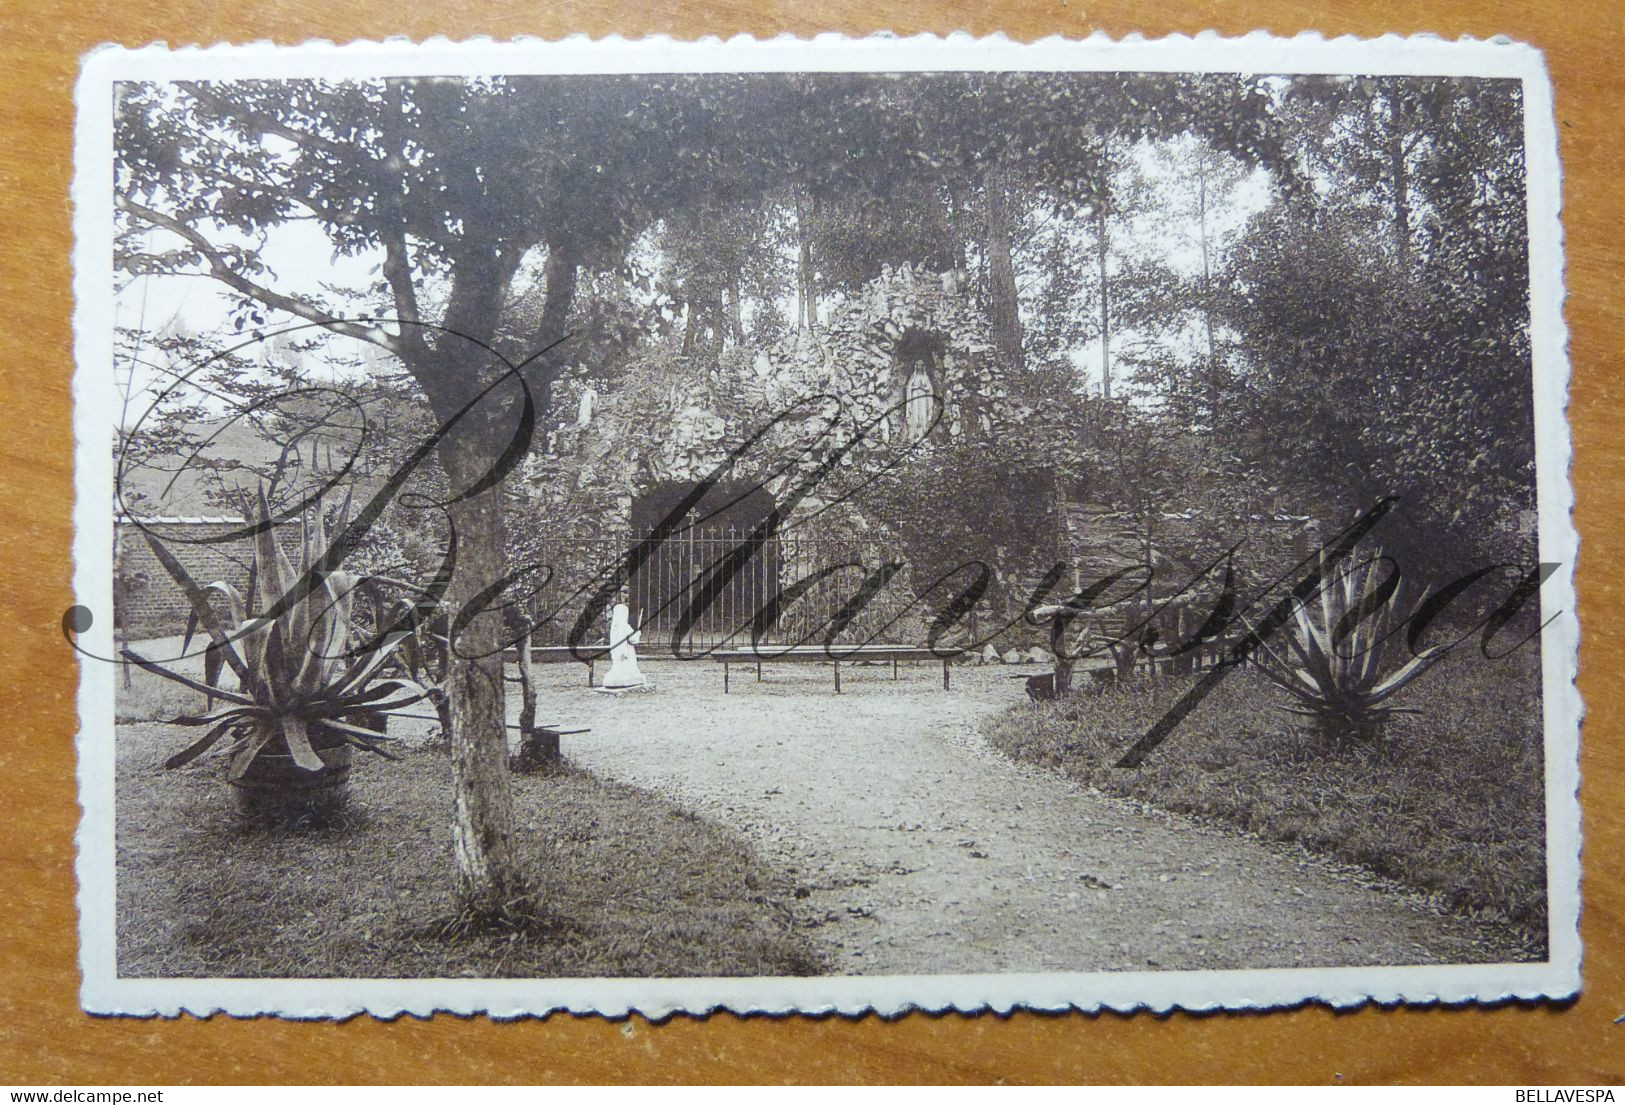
275 788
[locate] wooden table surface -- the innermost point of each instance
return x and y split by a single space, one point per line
45 1039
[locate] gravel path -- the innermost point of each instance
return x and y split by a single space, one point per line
921 850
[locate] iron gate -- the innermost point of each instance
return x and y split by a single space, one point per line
792 587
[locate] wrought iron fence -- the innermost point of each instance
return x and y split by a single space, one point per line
703 587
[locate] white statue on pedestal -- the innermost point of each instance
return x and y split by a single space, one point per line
920 404
623 658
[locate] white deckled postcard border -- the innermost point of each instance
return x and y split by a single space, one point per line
105 992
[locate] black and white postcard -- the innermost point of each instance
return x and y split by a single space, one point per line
822 525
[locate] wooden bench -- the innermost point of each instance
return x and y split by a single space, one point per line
818 654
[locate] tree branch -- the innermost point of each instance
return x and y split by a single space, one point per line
266 123
223 272
397 264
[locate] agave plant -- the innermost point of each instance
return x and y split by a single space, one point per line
1332 660
302 686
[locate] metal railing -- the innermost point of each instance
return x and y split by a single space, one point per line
703 587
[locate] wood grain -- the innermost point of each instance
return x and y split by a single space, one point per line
45 1039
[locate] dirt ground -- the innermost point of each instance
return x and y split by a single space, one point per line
921 850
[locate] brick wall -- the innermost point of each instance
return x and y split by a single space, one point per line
147 602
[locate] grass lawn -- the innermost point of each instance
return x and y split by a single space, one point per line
631 885
1458 807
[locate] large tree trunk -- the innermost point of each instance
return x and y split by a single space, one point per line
1207 266
736 311
952 203
1402 203
561 274
690 323
806 289
1102 251
489 880
563 261
1004 303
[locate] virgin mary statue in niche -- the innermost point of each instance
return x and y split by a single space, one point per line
919 403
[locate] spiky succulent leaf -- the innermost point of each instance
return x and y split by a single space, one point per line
250 747
215 655
1406 674
185 681
202 745
357 737
1333 650
302 676
297 736
197 598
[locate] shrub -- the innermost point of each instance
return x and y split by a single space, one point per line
1333 659
303 687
